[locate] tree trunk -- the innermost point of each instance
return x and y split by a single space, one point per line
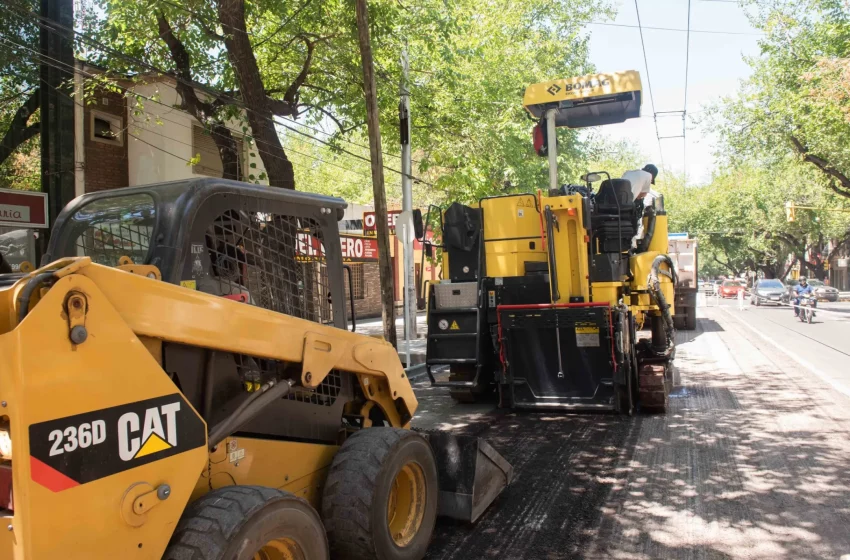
19 131
204 112
231 14
369 90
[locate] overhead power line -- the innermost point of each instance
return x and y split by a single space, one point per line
712 32
649 86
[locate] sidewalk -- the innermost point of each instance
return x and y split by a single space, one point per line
374 327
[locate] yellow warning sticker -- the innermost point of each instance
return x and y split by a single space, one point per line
191 284
454 326
587 335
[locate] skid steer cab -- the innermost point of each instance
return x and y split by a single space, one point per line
560 298
179 382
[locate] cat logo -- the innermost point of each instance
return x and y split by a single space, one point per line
156 432
73 450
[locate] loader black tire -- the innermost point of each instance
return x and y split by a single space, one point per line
359 488
236 522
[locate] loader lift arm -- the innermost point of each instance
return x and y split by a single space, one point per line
171 313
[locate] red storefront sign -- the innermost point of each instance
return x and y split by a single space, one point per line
23 209
354 248
369 222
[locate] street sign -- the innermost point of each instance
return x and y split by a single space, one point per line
842 263
369 222
23 209
355 249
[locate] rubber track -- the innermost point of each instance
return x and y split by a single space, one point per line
653 388
350 488
208 525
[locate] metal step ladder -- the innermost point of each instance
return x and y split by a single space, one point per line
453 330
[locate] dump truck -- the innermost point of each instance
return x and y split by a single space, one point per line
683 251
180 382
543 293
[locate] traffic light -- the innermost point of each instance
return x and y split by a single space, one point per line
790 211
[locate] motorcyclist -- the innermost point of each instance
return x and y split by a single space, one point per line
801 290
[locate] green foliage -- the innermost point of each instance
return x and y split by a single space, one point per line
739 217
795 91
470 63
18 80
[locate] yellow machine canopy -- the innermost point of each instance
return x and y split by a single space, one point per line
592 100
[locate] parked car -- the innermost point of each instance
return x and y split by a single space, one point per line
822 291
767 291
730 289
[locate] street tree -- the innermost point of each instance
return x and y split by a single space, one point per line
19 99
796 101
741 221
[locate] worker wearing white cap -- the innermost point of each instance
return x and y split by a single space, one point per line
642 181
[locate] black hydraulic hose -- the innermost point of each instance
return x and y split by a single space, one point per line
654 285
351 297
643 244
249 408
553 265
26 293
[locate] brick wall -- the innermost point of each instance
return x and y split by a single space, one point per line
370 305
106 162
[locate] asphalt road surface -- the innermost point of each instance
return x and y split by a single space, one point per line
752 460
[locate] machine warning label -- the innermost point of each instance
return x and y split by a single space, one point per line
455 326
587 335
74 450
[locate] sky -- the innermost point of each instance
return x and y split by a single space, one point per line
715 69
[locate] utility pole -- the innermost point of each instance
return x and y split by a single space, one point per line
381 225
407 207
57 106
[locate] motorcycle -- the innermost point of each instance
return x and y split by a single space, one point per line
806 308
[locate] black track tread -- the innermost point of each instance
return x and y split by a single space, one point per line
350 487
209 523
653 388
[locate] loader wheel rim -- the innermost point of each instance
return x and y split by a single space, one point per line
406 504
280 549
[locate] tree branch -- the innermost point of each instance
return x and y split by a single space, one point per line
291 95
342 129
725 265
838 246
823 165
19 130
283 24
204 112
183 70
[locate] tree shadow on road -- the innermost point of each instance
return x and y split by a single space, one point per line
748 463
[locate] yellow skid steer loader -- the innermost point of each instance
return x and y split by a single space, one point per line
179 382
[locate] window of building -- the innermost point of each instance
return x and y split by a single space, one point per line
358 284
203 145
106 128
